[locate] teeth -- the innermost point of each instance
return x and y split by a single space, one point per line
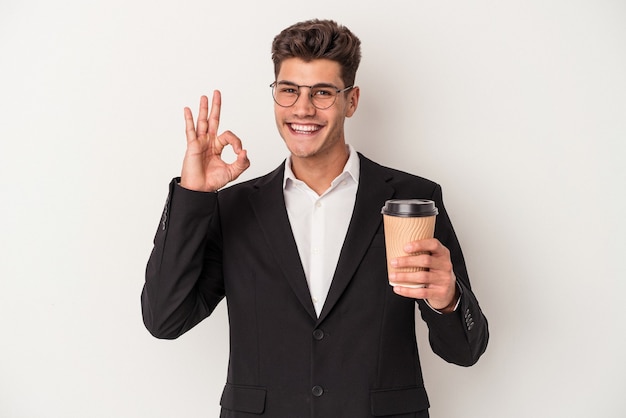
305 128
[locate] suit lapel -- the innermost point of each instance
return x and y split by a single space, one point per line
268 203
372 192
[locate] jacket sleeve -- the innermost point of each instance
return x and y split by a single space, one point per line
184 281
459 337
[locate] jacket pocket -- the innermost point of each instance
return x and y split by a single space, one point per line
250 399
398 401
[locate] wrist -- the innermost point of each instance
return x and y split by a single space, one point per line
452 306
192 188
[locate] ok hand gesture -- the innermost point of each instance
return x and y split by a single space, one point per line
203 167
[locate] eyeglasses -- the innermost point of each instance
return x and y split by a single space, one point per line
322 95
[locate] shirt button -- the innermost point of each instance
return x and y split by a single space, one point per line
318 334
317 391
318 204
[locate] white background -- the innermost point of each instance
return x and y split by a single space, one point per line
517 108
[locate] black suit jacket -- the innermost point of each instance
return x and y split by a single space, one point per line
359 358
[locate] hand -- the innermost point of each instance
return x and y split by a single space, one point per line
440 283
203 167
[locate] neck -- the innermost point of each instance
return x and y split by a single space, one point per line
318 174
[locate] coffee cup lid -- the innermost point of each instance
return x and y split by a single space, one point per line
410 208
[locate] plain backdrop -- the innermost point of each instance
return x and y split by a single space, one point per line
517 108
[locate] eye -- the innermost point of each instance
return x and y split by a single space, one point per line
288 90
323 92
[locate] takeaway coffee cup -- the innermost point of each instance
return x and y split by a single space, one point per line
406 220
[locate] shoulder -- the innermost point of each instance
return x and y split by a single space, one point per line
397 178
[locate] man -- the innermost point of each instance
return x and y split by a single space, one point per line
315 328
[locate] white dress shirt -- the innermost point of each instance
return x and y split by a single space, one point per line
320 223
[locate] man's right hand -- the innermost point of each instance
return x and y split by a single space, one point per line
204 169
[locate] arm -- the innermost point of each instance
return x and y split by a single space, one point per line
458 335
184 278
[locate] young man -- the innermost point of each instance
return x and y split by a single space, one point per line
315 328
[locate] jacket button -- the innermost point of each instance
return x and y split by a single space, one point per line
317 391
318 334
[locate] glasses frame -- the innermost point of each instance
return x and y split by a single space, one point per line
326 85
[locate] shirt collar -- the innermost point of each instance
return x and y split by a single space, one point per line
351 169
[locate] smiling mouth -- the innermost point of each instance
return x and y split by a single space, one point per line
304 129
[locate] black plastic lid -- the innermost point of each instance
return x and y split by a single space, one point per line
410 208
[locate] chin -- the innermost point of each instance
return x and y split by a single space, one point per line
302 152
301 148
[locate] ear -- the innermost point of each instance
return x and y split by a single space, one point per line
353 101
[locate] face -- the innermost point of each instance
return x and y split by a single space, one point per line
308 132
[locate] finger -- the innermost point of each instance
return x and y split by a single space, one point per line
422 260
202 116
228 138
439 297
424 288
242 162
422 245
190 128
411 279
414 293
214 116
430 246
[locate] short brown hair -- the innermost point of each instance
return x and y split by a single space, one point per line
319 39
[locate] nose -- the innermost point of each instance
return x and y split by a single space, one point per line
304 105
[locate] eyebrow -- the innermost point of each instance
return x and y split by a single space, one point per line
291 83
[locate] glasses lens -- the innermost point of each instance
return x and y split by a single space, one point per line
285 94
323 97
